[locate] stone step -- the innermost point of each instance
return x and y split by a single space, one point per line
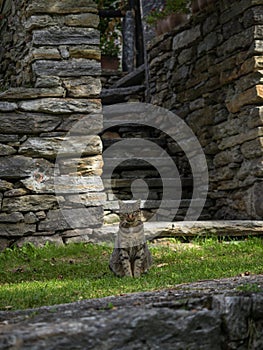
117 95
158 141
152 183
136 77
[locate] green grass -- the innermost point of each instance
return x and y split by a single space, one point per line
32 277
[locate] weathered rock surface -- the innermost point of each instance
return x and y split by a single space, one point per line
203 315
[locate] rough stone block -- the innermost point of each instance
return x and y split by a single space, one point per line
227 157
93 199
17 167
5 185
240 139
30 203
253 149
83 166
61 7
6 150
236 42
90 20
66 36
82 87
83 52
48 82
60 106
29 93
14 217
64 147
45 53
33 123
81 124
78 184
72 219
7 106
70 68
16 230
253 95
186 38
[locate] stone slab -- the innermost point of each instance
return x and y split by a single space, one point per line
75 67
61 7
33 123
29 93
75 218
30 203
66 36
61 105
202 315
63 147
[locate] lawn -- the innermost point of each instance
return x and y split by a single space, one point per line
32 277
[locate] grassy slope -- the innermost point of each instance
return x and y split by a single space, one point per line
33 277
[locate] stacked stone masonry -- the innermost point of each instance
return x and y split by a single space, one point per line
50 116
209 72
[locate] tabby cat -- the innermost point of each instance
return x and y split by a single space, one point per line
130 256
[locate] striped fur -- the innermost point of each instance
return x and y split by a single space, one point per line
131 255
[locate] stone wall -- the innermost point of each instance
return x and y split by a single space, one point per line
209 72
50 83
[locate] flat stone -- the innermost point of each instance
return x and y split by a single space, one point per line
40 21
64 147
5 185
75 67
72 219
206 315
16 167
253 149
90 20
186 38
31 218
30 203
82 124
33 123
84 166
63 105
46 53
6 150
16 192
93 199
66 36
11 218
28 93
48 81
83 87
227 157
7 106
9 138
241 138
253 95
16 230
82 52
78 184
57 7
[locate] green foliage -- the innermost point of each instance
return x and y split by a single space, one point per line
170 7
110 28
31 277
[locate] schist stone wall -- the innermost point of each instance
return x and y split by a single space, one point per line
50 80
209 72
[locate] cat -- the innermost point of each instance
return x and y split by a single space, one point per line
131 255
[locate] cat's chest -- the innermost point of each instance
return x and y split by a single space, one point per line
130 237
